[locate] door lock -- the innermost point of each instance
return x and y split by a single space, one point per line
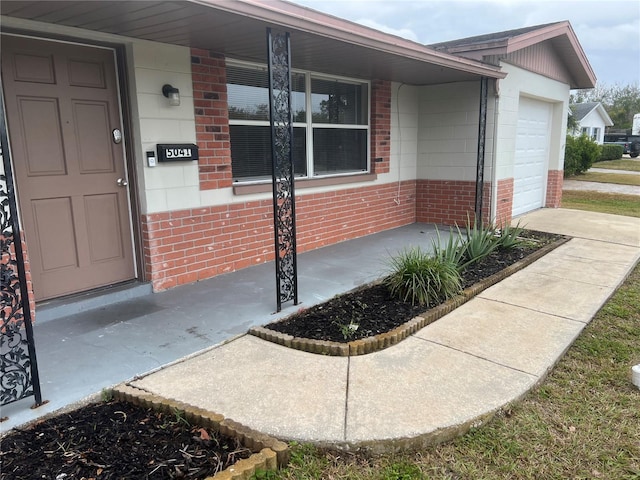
117 135
122 182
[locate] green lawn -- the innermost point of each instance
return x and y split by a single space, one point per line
583 422
628 205
619 178
622 164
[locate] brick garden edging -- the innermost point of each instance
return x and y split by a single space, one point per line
268 452
392 337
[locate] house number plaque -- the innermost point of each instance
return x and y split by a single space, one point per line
177 152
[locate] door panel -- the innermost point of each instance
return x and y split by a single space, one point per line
83 73
33 68
44 152
54 229
103 227
94 137
62 105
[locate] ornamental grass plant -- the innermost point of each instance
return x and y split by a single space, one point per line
451 251
421 278
478 242
425 278
509 236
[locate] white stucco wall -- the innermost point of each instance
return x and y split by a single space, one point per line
448 132
405 114
518 83
168 186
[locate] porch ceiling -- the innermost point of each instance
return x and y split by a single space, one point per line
236 28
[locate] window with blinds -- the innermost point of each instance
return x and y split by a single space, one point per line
330 124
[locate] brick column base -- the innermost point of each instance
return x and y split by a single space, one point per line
504 207
555 180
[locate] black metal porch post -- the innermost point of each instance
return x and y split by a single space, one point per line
482 132
284 212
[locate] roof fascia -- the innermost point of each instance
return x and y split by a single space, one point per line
549 32
537 36
310 21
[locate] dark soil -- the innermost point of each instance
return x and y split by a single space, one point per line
116 440
373 310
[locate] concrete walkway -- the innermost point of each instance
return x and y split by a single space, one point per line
601 187
439 382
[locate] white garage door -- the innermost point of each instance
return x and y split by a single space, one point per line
531 158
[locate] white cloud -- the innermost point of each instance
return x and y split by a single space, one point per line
400 32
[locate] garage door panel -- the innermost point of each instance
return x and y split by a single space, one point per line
531 155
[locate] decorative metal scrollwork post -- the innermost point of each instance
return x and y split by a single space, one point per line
482 134
18 366
284 211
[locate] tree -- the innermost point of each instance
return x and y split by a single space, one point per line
621 102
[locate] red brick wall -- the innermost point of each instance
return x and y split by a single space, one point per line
504 207
380 126
448 202
208 72
555 181
185 246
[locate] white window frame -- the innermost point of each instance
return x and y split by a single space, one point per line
309 125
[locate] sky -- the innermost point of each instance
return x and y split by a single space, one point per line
609 31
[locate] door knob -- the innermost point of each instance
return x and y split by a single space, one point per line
122 182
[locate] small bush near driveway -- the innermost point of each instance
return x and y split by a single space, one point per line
579 155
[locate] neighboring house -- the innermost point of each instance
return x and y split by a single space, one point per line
591 119
404 149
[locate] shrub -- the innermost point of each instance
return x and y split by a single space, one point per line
579 155
479 241
508 236
452 251
422 279
610 152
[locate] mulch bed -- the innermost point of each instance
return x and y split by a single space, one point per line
373 309
116 440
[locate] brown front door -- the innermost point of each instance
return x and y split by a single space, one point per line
62 108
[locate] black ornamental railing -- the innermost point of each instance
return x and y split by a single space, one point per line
18 366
